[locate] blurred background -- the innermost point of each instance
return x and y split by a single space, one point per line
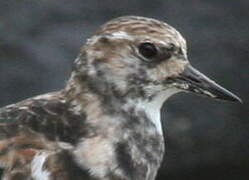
205 139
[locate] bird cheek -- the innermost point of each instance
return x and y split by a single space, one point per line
175 67
168 69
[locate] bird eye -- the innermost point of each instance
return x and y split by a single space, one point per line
147 49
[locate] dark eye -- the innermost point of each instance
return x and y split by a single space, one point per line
147 49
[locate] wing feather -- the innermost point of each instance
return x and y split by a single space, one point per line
43 123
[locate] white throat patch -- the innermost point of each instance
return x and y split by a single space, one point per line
153 108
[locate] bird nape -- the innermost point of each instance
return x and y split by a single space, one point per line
105 124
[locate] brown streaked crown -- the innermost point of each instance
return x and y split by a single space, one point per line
134 25
142 26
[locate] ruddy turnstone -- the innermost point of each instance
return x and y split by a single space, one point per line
105 124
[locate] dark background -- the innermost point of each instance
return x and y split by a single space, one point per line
205 139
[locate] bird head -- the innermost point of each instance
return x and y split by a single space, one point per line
142 58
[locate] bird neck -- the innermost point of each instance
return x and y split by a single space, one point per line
83 94
126 137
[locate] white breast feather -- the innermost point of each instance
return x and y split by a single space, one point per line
37 170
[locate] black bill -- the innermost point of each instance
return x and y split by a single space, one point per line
194 81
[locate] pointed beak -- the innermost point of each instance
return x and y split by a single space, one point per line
194 81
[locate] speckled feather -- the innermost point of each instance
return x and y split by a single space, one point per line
105 124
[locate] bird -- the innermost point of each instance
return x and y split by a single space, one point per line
105 123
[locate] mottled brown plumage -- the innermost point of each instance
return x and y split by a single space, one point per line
105 124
